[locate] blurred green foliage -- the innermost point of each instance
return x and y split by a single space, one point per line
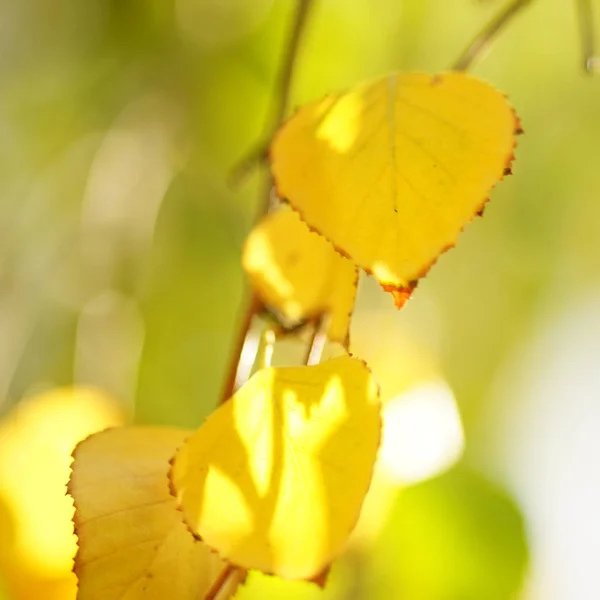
120 241
455 537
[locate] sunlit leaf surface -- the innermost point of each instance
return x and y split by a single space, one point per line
275 478
132 539
392 170
299 273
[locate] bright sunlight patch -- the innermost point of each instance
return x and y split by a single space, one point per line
391 171
275 478
36 441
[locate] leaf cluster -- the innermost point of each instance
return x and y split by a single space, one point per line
382 179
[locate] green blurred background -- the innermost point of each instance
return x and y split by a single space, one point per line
120 252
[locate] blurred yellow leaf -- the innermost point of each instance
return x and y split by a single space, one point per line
37 543
132 540
275 478
392 170
298 272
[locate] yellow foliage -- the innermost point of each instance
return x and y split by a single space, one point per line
24 585
391 171
132 540
275 478
36 533
299 273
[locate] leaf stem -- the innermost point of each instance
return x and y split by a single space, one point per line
252 309
264 352
485 37
316 343
591 63
283 87
282 98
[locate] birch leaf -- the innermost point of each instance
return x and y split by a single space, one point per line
133 543
391 171
275 478
299 273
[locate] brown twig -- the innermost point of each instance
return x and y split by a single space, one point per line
282 98
220 582
483 39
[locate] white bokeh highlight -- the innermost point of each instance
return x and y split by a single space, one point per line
422 433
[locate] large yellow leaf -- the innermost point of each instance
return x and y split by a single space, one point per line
298 273
391 171
275 478
133 543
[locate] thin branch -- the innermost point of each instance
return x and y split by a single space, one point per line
488 33
220 582
289 62
591 63
283 87
282 97
253 308
316 344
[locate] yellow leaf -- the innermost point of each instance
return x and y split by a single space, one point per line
298 273
275 478
22 585
391 171
36 440
133 543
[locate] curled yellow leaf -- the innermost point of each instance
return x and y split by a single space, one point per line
392 170
299 273
133 543
275 478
